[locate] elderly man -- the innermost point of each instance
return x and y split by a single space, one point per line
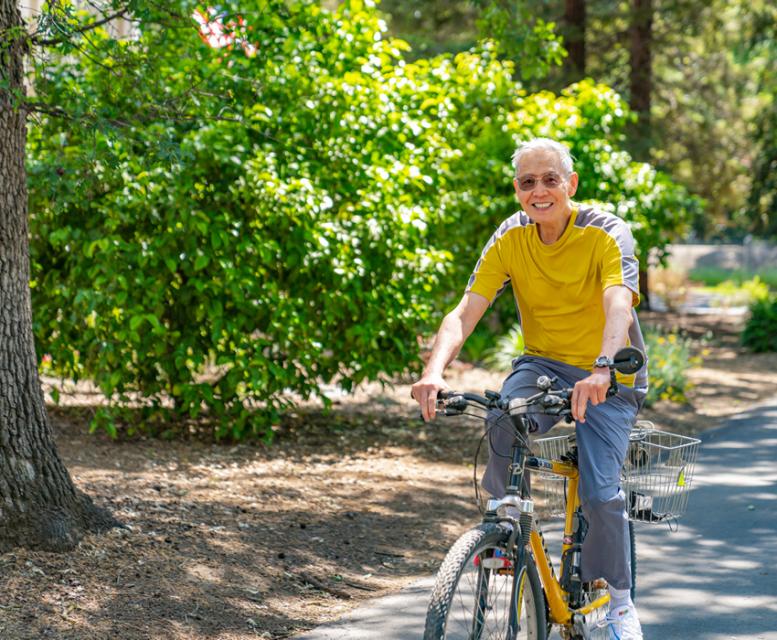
575 280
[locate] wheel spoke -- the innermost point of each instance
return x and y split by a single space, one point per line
481 608
477 597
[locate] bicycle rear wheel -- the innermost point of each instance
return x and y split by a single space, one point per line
633 546
475 597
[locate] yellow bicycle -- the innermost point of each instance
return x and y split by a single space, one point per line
498 581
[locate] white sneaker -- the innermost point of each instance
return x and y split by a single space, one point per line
623 624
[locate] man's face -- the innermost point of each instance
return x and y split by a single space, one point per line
549 200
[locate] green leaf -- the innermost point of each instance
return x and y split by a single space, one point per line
201 262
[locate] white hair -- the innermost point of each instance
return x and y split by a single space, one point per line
545 144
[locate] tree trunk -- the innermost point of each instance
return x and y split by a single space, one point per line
641 76
641 88
574 39
39 505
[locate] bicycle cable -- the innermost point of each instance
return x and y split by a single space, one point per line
488 433
475 482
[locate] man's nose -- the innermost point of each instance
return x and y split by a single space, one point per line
540 189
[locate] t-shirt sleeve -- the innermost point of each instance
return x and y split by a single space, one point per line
619 266
490 276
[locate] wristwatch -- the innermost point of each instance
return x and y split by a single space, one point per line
602 362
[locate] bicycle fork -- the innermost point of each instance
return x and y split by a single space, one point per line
513 503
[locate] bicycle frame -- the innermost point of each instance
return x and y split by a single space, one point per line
557 598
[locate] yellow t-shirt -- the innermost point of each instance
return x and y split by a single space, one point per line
558 287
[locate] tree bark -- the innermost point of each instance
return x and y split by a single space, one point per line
641 89
641 76
39 504
574 39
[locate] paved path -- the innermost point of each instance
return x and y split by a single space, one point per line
693 583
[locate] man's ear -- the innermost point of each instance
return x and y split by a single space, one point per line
515 185
572 184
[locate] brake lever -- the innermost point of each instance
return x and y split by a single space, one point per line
455 405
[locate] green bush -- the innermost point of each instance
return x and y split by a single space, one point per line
221 263
760 332
507 347
669 360
219 232
731 293
478 343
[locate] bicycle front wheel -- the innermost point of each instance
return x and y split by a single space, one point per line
481 594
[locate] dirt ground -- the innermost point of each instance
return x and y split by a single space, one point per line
237 542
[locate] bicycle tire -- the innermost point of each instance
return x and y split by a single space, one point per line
633 559
455 610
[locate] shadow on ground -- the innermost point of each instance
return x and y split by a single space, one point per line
714 578
232 541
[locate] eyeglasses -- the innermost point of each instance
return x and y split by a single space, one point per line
549 181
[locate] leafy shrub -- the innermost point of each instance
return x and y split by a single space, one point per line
220 232
507 347
760 332
730 293
216 264
478 343
669 360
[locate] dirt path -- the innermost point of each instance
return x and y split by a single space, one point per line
244 542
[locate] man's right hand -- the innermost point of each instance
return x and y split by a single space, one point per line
425 392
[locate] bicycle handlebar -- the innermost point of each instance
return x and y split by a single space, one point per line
550 402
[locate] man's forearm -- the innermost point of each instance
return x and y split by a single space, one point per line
447 344
616 332
618 319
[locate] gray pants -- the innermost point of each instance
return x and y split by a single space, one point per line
602 442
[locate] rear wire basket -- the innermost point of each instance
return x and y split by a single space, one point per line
656 477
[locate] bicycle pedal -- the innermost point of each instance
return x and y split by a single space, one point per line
599 583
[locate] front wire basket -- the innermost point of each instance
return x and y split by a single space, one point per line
657 476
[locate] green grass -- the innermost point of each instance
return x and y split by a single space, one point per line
714 276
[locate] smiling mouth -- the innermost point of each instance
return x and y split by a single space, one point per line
542 205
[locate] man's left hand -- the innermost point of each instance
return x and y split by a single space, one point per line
593 388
